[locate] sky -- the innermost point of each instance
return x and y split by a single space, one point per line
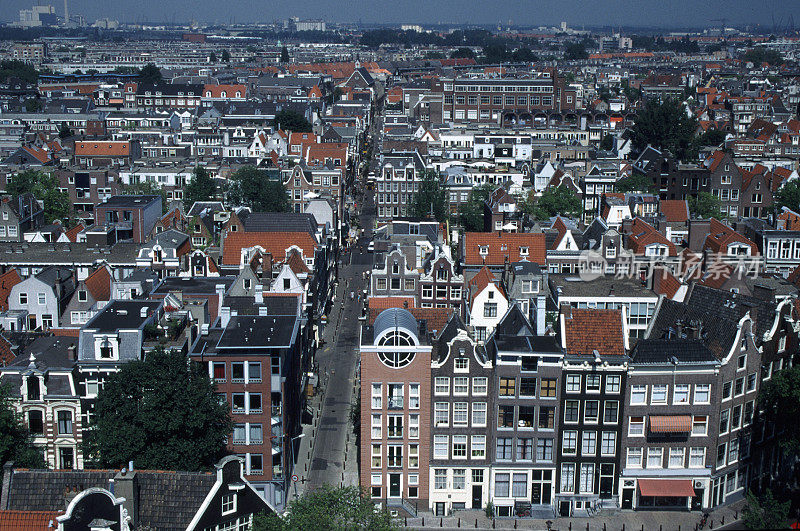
651 13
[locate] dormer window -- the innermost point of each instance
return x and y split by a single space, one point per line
484 250
523 251
32 384
82 295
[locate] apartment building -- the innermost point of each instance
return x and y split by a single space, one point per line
397 183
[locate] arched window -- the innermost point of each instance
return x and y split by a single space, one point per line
396 338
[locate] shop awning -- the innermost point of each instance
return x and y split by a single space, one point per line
666 487
670 424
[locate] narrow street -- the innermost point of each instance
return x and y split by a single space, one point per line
327 452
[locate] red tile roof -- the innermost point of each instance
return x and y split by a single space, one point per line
230 91
480 281
503 246
642 234
72 234
102 149
675 210
28 520
721 235
665 283
99 284
588 330
6 354
8 280
276 243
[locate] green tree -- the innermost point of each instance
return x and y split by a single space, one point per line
212 58
226 56
780 400
430 199
636 182
33 105
607 144
146 188
463 53
64 131
150 73
284 55
15 441
251 187
201 187
162 413
329 508
576 51
765 512
712 137
45 187
523 55
470 214
556 200
291 120
18 69
788 196
758 56
665 125
705 206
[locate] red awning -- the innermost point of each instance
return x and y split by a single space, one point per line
670 424
666 487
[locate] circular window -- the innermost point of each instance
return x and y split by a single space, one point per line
396 338
396 360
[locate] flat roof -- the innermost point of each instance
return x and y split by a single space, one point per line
122 315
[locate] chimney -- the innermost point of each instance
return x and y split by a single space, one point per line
540 319
69 494
220 289
72 352
263 311
126 486
259 294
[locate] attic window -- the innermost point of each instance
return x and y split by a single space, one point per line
82 297
523 251
484 250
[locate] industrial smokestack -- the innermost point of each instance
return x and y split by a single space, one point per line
66 13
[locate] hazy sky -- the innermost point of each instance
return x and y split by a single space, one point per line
660 13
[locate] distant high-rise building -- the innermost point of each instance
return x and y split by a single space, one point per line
37 16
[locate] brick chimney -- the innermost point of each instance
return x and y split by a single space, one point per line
126 485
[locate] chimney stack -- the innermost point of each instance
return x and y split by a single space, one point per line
126 486
540 318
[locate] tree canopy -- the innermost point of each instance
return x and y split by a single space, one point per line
463 53
226 56
635 182
291 120
758 56
284 55
788 196
251 187
765 512
556 200
45 187
470 214
162 413
665 125
201 187
780 399
150 73
705 206
17 69
329 508
15 441
578 50
431 198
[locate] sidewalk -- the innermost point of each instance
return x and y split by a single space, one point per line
610 521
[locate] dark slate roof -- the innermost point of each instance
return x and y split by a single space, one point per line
167 500
194 285
514 333
122 314
280 222
717 312
258 331
129 201
450 330
286 305
661 351
200 206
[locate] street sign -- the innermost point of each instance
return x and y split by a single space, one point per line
295 478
